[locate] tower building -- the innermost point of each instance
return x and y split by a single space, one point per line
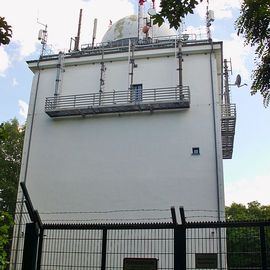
138 121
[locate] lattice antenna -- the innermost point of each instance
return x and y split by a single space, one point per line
182 28
209 19
43 36
226 83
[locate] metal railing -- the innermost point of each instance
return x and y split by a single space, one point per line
228 121
152 42
189 245
228 110
227 245
105 246
122 45
120 101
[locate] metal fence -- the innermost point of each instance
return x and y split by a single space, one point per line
149 246
228 245
105 246
17 248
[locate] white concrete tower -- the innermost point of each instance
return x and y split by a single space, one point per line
153 136
155 141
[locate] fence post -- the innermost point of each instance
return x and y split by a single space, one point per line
104 249
30 247
263 248
179 247
40 245
174 220
182 215
32 243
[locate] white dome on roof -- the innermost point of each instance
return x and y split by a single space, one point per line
127 27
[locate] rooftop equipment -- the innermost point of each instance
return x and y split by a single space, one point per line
77 38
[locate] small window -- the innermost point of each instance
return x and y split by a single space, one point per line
136 93
195 151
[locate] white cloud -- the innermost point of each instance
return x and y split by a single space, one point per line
239 54
222 8
62 20
23 108
4 62
248 189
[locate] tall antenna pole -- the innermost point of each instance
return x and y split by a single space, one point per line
94 32
77 38
44 40
42 36
140 19
180 65
209 19
207 24
226 83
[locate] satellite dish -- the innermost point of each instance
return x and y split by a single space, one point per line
152 12
238 80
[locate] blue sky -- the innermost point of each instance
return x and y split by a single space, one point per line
246 176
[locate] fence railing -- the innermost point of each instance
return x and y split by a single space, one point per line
228 111
123 45
105 246
173 246
228 245
104 102
228 121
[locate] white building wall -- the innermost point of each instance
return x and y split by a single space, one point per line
131 161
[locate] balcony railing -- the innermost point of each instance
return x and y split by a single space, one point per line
118 102
228 120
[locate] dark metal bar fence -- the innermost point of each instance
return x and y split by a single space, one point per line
228 245
104 246
17 248
189 245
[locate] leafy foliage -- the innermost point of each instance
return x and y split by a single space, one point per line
243 243
5 31
254 24
11 144
5 232
174 11
253 211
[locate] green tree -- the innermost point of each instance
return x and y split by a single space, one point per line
243 243
253 211
5 233
11 144
254 24
5 31
174 11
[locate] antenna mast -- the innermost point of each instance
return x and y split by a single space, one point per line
77 38
209 19
226 94
94 32
140 19
42 36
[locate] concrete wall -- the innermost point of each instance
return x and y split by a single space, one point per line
127 161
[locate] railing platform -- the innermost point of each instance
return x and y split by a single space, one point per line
228 121
118 102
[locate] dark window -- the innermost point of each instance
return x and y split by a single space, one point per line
195 151
136 93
